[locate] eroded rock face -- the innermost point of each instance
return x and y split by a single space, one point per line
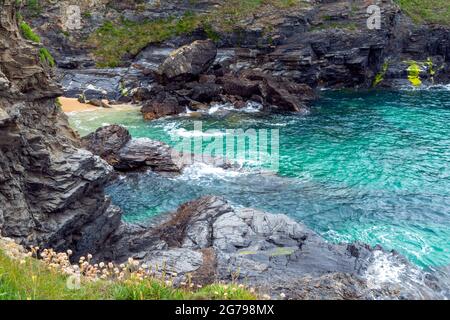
114 144
221 85
51 192
320 43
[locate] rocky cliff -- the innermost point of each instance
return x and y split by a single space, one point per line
320 43
51 192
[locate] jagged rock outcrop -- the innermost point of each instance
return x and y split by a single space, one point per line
51 192
106 142
211 240
195 85
114 144
275 93
330 45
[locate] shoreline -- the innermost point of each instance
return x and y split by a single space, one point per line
72 105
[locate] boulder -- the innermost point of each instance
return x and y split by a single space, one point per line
278 96
114 144
273 92
239 86
106 142
142 94
188 62
98 103
150 154
205 92
161 105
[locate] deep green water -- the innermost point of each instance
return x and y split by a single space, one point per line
363 166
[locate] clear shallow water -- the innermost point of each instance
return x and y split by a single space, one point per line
371 167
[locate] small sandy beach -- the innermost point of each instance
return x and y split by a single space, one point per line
73 105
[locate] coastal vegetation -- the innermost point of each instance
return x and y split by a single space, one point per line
28 33
414 73
44 55
24 277
113 41
380 76
431 11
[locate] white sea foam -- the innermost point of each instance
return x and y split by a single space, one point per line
220 107
200 170
433 87
250 107
388 271
384 270
181 132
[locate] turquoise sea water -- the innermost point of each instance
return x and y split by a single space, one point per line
362 166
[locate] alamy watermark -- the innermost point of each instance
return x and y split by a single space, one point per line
71 17
239 147
374 20
74 282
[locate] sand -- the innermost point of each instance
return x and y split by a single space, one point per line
73 105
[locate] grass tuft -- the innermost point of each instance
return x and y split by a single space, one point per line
28 33
46 57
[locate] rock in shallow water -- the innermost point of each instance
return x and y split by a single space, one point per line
114 144
161 104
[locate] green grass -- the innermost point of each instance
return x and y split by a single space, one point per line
431 11
28 33
46 56
380 76
114 41
32 280
232 12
